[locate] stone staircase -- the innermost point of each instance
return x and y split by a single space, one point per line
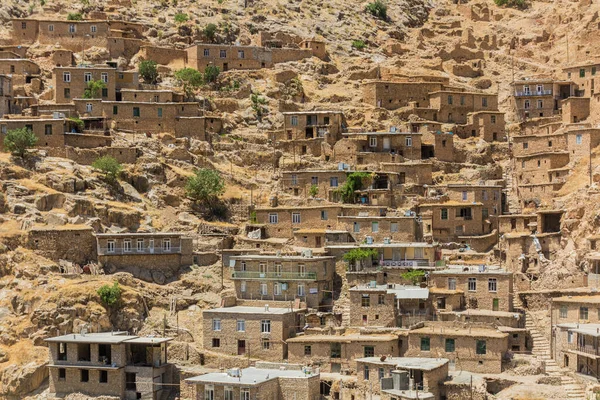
541 349
512 199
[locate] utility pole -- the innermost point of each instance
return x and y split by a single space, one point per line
590 148
567 37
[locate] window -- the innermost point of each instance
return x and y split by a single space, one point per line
278 269
273 218
240 53
540 104
136 111
295 218
569 337
394 227
444 213
277 288
451 283
243 286
481 347
307 350
462 100
335 350
265 326
115 110
465 196
159 112
266 344
381 373
333 181
472 284
366 372
85 375
104 77
493 119
93 28
365 300
356 227
50 28
4 129
62 374
127 246
130 381
492 285
23 25
294 179
381 299
593 70
103 377
549 143
88 107
216 324
301 290
264 290
223 53
485 213
206 53
324 215
302 270
578 139
294 120
140 245
110 246
450 99
48 129
526 104
245 394
72 28
372 141
87 77
583 313
450 346
228 393
66 77
314 180
369 351
209 392
374 226
425 344
241 325
167 244
62 352
562 312
484 102
582 73
409 141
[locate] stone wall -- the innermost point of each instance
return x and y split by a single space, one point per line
57 243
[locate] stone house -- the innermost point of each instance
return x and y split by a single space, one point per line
475 349
487 125
537 175
453 106
327 124
490 196
318 238
583 309
56 242
109 364
21 70
575 109
257 332
575 347
585 78
153 256
539 97
49 131
517 223
265 381
72 35
281 222
337 353
6 94
306 278
360 145
427 375
454 221
70 82
300 182
388 305
151 96
394 95
483 287
581 141
524 145
413 172
377 228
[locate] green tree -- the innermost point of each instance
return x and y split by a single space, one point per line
414 276
313 191
78 122
109 166
110 295
211 74
94 89
359 44
74 17
258 104
354 181
17 141
377 9
148 71
357 256
210 31
205 185
190 79
180 18
518 4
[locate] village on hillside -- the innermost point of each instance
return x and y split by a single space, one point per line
194 222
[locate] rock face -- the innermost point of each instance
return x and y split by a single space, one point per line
18 380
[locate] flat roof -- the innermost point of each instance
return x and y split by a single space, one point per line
251 376
382 245
470 269
584 329
400 291
250 310
106 338
313 112
342 338
577 299
380 133
320 231
283 258
421 363
451 203
456 331
487 312
144 234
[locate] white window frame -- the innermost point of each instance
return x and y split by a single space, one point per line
228 393
451 283
294 120
372 141
294 179
209 392
277 289
166 244
241 325
104 77
50 28
302 270
243 286
265 326
87 77
578 139
89 107
244 394
278 269
408 141
273 218
206 52
472 284
264 289
241 54
216 324
110 246
127 246
72 28
301 290
140 245
296 218
93 29
492 285
66 77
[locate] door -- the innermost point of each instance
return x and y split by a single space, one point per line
225 66
495 305
241 347
386 143
318 241
151 245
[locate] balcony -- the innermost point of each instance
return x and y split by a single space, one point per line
118 251
534 93
281 276
586 349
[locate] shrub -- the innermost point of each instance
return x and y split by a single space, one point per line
79 124
206 185
414 276
74 17
17 141
313 191
148 71
377 9
180 18
354 182
258 104
190 79
94 89
518 4
211 73
210 31
110 295
109 166
358 255
359 44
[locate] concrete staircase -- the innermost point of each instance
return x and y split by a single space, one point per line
541 349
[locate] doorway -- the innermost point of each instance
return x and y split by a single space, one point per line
241 347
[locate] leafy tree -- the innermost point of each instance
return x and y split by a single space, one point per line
377 9
206 185
359 255
148 71
313 191
17 141
354 181
210 31
211 73
190 79
414 276
359 44
180 18
74 17
110 295
258 104
78 123
518 4
109 166
94 89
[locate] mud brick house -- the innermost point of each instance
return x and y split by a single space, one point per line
70 82
575 109
109 364
150 256
151 96
367 147
265 381
56 242
487 125
21 70
305 132
483 287
318 238
6 94
583 309
388 305
490 196
575 347
581 140
585 78
539 97
336 353
427 375
300 182
393 95
280 222
49 131
377 228
543 142
72 35
453 106
536 175
257 332
475 349
413 172
284 278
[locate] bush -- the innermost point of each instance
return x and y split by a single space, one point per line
358 255
354 182
313 191
148 71
258 104
206 185
210 31
74 17
17 141
110 295
180 18
211 73
377 9
109 166
518 4
190 79
359 44
94 90
79 124
414 276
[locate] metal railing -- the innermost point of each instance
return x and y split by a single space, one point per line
105 251
534 93
584 349
299 276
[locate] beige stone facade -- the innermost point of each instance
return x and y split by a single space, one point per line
538 97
